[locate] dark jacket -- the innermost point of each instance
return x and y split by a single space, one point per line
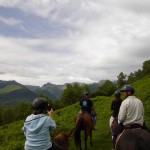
86 105
115 106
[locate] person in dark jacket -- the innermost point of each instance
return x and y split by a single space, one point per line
87 105
115 106
131 113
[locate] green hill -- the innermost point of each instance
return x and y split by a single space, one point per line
12 138
12 93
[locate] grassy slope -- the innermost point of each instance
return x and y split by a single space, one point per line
9 88
12 138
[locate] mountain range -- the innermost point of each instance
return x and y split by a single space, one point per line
12 92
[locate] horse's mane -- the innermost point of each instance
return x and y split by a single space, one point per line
77 131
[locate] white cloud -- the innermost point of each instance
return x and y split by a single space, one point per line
79 41
10 21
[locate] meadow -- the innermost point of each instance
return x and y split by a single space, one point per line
12 138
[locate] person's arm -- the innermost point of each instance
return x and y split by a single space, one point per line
91 106
52 121
24 130
51 113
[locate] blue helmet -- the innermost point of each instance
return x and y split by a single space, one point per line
117 94
127 88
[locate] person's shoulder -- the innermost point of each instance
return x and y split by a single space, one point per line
83 99
113 101
48 119
137 99
90 100
29 117
120 100
126 101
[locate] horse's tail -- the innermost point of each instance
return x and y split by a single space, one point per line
77 131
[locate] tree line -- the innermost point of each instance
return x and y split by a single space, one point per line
73 94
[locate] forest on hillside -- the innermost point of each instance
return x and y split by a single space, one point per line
73 93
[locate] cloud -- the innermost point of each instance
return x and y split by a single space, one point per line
63 41
10 21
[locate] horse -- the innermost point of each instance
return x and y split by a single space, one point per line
113 125
134 139
84 123
62 139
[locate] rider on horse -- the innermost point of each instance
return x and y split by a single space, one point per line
131 112
115 105
87 105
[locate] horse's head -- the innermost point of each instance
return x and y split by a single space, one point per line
62 139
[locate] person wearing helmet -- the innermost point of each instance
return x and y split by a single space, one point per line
131 112
37 126
115 106
87 105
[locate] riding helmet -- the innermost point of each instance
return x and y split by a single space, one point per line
127 88
117 94
86 93
40 103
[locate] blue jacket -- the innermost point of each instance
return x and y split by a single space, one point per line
36 129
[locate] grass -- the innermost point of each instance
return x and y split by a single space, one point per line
101 141
12 138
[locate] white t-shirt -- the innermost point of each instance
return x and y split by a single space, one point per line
131 111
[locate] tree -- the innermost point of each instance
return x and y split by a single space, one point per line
138 74
146 67
121 79
8 115
106 89
22 110
73 93
131 78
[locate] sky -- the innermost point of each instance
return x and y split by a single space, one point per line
65 41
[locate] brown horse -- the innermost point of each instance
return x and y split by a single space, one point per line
84 123
113 125
134 139
62 139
